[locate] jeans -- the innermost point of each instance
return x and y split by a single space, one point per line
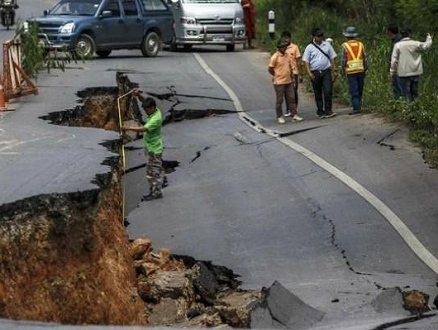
323 89
409 87
355 86
396 88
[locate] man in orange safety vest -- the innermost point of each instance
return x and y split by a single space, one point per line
354 65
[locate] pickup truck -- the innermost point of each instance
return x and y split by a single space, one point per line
85 27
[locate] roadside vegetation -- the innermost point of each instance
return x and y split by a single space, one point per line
35 58
371 18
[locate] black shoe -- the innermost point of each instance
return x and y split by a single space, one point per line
354 112
321 115
150 197
330 114
165 183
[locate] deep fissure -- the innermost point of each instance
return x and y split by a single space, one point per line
76 231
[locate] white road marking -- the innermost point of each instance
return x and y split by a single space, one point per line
15 143
410 239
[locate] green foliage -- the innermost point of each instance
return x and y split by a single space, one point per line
36 58
32 53
420 15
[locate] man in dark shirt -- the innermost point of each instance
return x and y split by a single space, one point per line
395 36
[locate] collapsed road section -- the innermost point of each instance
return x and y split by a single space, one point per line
66 257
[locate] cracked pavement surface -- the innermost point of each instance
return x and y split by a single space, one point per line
239 197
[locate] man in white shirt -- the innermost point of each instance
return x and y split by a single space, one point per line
406 62
319 60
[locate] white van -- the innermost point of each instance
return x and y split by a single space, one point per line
213 22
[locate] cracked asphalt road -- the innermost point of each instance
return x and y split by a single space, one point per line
240 197
252 204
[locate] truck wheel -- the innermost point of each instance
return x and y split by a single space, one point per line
103 53
230 48
85 46
150 45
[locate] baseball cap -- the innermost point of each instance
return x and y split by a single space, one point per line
317 32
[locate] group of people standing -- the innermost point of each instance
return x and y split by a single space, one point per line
319 63
405 67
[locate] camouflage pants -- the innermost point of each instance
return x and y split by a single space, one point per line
154 173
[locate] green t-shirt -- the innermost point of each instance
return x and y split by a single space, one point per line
152 137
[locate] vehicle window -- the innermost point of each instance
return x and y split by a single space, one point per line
130 8
76 7
154 5
113 6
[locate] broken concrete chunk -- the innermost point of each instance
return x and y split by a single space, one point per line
139 247
208 319
280 305
160 258
205 282
390 300
167 312
235 306
169 284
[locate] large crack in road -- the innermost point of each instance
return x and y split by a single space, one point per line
66 257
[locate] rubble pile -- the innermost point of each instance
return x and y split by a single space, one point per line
181 291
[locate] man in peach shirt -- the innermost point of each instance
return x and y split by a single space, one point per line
282 68
295 53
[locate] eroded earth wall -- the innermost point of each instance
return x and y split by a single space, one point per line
64 258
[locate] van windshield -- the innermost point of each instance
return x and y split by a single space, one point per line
211 1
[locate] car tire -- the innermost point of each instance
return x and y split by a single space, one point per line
230 48
103 53
85 46
151 45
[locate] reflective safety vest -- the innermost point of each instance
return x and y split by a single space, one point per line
355 56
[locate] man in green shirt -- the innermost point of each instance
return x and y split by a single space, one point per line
153 144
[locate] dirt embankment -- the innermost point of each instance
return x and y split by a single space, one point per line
65 257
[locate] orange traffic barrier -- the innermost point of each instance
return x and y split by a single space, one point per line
2 96
14 81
